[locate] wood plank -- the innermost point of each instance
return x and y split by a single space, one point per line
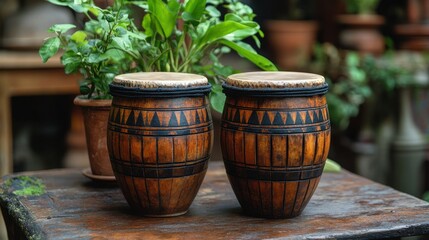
39 82
343 206
26 59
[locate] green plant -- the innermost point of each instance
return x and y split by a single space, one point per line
361 6
173 36
394 69
348 82
25 186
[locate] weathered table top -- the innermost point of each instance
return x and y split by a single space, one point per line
344 206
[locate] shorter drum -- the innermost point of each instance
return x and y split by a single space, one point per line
160 135
275 139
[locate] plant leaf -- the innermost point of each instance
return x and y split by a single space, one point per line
61 28
79 37
164 16
194 10
217 98
49 48
221 30
147 25
212 11
140 4
252 56
331 166
96 58
122 42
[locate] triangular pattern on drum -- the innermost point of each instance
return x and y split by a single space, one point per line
260 116
148 115
232 114
140 121
321 116
266 119
246 116
316 116
183 120
254 118
197 118
173 121
298 119
325 113
310 115
155 121
308 120
131 119
237 117
278 119
284 117
291 117
177 113
271 115
123 116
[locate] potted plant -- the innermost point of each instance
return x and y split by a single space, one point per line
175 37
291 33
360 27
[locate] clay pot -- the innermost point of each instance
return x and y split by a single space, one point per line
95 115
361 33
291 42
160 136
275 139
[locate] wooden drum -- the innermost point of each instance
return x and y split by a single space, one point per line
160 135
275 139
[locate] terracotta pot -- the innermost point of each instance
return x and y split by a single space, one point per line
95 115
291 42
160 136
275 139
361 33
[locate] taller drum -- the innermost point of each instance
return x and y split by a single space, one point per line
160 135
275 139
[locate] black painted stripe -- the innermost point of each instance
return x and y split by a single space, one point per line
160 165
169 109
228 126
169 132
135 92
120 167
238 107
284 175
274 92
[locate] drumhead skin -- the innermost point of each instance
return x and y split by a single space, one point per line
160 80
275 80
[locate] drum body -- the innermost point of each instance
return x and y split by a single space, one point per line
275 141
159 141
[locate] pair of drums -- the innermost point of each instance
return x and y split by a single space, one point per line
275 138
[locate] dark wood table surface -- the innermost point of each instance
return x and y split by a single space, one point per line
344 206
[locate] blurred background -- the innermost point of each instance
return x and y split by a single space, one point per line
373 53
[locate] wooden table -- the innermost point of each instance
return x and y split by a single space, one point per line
344 206
24 74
